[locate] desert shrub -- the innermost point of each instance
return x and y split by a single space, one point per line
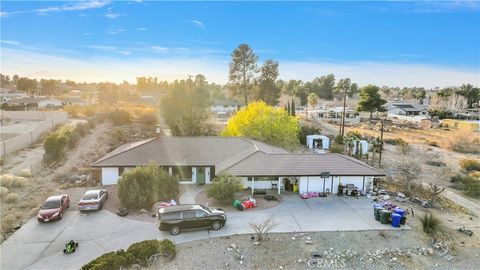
468 184
72 110
263 228
338 139
403 147
12 181
11 198
395 141
142 251
470 164
25 173
355 134
8 224
431 224
65 137
465 142
3 192
148 119
432 143
305 130
336 148
475 174
142 186
119 117
137 253
436 163
223 188
112 260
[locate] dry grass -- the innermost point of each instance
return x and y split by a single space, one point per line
7 224
3 192
25 173
12 181
11 198
465 142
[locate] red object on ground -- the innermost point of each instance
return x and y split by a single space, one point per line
248 204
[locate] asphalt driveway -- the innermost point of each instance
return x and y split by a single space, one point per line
39 246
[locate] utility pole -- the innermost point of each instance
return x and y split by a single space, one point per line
342 124
381 143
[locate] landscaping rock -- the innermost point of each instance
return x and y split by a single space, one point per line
233 246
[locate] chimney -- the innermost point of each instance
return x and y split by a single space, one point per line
157 131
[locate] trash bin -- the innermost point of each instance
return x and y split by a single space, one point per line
384 216
403 220
399 211
377 213
375 206
396 219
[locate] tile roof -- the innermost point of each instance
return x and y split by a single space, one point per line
185 151
261 164
237 156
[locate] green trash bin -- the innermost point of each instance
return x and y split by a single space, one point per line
377 213
385 216
236 203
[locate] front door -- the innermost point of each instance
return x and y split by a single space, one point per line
200 175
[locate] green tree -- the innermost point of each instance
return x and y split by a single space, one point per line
268 90
370 100
323 86
472 94
243 67
292 108
312 101
5 80
26 84
185 109
50 87
108 94
264 123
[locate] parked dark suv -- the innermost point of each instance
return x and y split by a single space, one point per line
190 217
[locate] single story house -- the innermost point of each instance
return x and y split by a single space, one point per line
36 102
406 109
74 101
225 107
197 160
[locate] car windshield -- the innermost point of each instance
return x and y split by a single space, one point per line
207 209
51 204
90 196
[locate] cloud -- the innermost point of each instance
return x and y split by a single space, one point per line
427 6
114 31
72 6
10 42
141 29
159 49
215 68
197 23
109 14
88 34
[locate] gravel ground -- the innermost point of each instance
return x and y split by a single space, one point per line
328 250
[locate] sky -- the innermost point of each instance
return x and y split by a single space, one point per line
426 44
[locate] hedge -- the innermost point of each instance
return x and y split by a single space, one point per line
137 253
66 137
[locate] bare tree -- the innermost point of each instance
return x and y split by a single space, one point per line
435 190
263 228
407 169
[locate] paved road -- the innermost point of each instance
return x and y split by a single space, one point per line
470 205
39 246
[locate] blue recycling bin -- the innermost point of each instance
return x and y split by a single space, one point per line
396 219
399 211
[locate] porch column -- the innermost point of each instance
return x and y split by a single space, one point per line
170 170
207 175
253 185
194 175
278 185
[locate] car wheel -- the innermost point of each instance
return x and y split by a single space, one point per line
216 225
174 230
101 206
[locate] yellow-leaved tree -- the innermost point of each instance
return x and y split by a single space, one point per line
264 123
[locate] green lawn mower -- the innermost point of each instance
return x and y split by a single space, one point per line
70 247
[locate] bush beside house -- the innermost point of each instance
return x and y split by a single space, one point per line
142 186
223 188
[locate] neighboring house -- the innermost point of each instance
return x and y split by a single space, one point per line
225 107
318 142
7 94
74 101
406 109
36 102
197 160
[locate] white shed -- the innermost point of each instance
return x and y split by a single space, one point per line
363 144
317 142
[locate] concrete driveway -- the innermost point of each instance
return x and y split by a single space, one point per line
39 246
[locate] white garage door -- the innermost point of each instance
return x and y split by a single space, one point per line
109 176
314 183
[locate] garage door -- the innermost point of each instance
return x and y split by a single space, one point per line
109 176
314 183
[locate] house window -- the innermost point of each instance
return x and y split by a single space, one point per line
183 172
